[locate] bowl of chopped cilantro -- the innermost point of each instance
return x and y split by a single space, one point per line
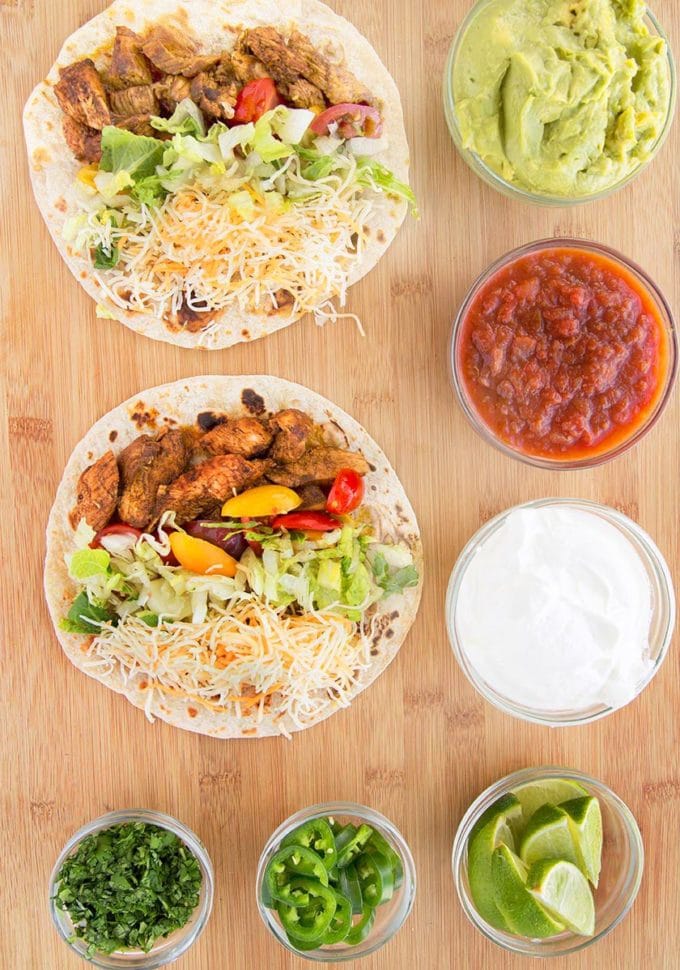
133 888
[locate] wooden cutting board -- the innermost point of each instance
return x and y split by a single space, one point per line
420 744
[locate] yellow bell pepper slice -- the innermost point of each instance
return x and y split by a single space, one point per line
199 556
86 175
261 500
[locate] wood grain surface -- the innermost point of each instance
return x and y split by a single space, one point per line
420 744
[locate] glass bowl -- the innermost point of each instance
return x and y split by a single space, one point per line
661 627
488 175
638 432
620 878
389 917
165 950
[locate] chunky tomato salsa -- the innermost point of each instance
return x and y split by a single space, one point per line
563 354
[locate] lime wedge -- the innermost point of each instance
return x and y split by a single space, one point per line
563 890
585 817
534 794
549 835
490 830
522 913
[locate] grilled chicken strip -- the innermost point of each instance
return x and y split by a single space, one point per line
242 436
139 125
84 142
292 428
303 94
171 90
285 66
129 66
80 93
246 67
138 100
338 84
317 465
206 486
97 493
215 94
173 52
147 464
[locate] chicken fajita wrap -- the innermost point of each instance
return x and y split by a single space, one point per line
235 555
211 171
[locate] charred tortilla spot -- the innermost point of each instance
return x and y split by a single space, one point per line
245 334
113 435
142 416
191 319
252 401
192 712
380 236
60 204
207 420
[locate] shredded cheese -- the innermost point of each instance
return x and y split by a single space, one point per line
245 660
195 250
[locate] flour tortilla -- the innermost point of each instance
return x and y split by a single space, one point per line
215 24
181 402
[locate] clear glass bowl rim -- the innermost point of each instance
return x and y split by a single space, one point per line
513 780
371 817
655 295
163 956
629 527
513 191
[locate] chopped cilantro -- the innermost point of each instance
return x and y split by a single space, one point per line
127 886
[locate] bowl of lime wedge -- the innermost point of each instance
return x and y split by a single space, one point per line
547 861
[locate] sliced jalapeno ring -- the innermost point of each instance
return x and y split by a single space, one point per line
341 923
360 930
284 865
375 878
308 923
316 834
349 886
351 849
343 835
379 842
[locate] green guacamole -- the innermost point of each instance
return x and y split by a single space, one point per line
561 97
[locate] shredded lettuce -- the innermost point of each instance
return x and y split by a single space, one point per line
373 175
187 119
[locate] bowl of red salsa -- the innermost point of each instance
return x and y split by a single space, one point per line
563 353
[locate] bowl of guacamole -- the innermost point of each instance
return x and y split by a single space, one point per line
559 101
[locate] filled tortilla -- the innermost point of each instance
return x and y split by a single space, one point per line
235 555
211 171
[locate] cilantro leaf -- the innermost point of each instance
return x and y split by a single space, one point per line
106 258
86 617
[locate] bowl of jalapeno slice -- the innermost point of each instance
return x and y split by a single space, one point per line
335 882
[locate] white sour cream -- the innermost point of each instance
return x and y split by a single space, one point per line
554 611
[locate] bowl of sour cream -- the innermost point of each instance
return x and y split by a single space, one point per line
560 611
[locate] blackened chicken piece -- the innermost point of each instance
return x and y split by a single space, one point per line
84 142
317 465
337 83
81 95
215 96
129 66
292 428
97 493
139 100
170 90
147 464
242 436
206 486
173 52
